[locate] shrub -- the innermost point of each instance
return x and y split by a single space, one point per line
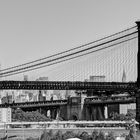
130 136
85 136
47 135
58 135
68 134
94 135
19 115
101 136
110 136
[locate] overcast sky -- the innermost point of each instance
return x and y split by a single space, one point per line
32 29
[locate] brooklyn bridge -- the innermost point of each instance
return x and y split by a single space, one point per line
108 58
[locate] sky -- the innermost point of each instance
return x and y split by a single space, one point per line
33 29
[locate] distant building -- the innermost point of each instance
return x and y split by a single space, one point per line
35 97
42 79
97 78
59 94
5 115
125 108
42 94
70 93
56 95
41 97
25 78
7 99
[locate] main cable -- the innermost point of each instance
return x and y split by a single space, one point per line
81 46
66 59
68 55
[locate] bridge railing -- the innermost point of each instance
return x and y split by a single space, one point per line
70 124
110 99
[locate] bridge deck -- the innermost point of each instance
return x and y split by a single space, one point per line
127 101
66 85
54 103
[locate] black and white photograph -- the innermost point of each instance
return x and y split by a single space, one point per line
69 70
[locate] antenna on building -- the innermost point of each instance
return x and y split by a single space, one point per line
124 76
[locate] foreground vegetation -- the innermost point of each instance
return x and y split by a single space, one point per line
95 135
129 116
20 115
35 116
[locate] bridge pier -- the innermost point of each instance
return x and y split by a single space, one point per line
97 112
87 113
53 113
74 109
94 112
138 77
138 106
42 111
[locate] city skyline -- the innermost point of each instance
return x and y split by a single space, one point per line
69 65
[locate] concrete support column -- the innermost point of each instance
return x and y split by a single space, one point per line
94 113
106 112
100 111
51 113
40 110
87 113
57 113
48 113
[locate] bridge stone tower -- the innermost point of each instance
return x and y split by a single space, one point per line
138 78
74 110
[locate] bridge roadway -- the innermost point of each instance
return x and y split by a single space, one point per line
58 103
54 103
67 85
110 101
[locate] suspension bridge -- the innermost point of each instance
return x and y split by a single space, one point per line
115 57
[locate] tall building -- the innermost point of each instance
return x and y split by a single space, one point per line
42 94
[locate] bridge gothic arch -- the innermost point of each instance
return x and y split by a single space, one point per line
74 117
